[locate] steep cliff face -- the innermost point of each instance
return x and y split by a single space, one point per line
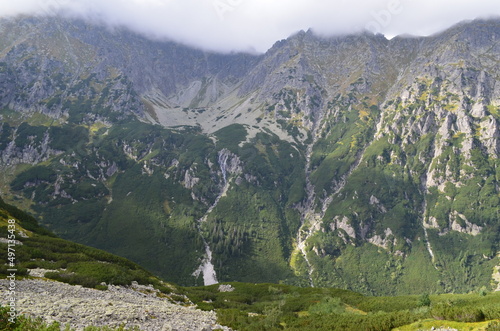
428 175
351 161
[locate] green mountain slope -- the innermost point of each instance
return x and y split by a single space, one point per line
353 161
242 306
35 248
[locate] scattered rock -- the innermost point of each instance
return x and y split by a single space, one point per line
226 288
136 305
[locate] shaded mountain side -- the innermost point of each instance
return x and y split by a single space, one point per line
37 251
125 304
349 161
112 292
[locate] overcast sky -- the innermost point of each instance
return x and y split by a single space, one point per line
254 25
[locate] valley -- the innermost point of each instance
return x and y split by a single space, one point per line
90 289
353 162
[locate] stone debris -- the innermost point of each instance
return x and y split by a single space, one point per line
226 288
131 306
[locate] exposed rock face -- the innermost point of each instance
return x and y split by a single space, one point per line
388 238
189 179
32 152
79 307
459 222
496 277
229 163
343 224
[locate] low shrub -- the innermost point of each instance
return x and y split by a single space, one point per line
493 326
450 312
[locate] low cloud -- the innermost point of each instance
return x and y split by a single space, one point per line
254 25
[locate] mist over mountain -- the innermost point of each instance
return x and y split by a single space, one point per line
254 26
351 161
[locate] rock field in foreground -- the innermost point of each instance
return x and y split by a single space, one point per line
80 307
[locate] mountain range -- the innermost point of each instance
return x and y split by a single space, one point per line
351 161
